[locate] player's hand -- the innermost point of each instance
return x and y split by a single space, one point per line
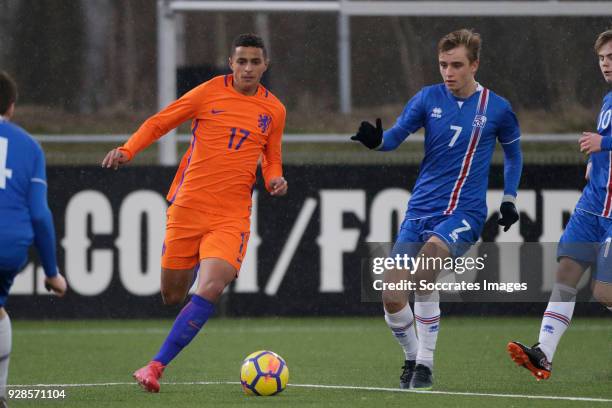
509 215
57 285
587 174
369 135
590 142
278 186
114 159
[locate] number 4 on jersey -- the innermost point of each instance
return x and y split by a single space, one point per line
4 172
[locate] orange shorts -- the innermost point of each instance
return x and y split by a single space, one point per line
192 235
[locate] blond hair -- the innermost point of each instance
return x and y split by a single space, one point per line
468 38
602 39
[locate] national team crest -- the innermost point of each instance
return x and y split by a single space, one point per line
264 122
479 121
436 113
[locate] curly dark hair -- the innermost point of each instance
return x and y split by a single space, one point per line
248 40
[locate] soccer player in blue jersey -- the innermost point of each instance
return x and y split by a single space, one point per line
586 239
24 214
463 120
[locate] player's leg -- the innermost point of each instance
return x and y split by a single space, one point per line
175 284
6 280
221 251
5 351
560 308
602 287
538 358
602 291
449 236
180 255
216 274
575 252
427 313
11 263
184 232
398 314
186 326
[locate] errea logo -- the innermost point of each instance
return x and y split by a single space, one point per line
436 113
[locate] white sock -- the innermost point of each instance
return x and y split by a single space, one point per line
402 325
556 318
610 308
427 316
5 352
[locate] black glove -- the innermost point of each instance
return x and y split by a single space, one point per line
369 135
509 215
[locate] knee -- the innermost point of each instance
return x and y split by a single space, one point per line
172 298
569 272
603 294
392 304
212 289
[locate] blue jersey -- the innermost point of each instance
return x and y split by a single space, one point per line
597 195
24 214
460 137
22 163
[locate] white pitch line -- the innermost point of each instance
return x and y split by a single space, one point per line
332 387
469 394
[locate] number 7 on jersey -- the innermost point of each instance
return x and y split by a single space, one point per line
457 130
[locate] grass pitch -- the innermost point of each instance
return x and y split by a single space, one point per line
93 361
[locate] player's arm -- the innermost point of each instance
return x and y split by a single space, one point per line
272 165
510 139
411 119
153 128
42 224
375 138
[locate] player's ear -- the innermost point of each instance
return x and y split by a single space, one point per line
10 111
475 65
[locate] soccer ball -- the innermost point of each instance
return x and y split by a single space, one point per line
263 373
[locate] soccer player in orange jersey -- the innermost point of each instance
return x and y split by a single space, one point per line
235 121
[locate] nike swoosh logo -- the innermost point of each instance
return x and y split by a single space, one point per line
214 111
192 324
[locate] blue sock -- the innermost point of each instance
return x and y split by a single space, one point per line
187 324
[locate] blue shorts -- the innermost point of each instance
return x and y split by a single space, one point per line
459 231
11 263
6 281
587 239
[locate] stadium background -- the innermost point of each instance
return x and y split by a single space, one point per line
89 68
94 62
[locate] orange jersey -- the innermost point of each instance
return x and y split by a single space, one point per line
230 132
